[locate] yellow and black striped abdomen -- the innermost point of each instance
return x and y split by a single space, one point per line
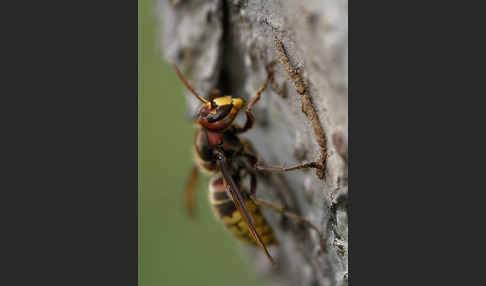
225 209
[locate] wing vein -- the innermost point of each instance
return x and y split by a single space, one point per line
240 203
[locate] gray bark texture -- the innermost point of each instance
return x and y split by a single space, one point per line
301 117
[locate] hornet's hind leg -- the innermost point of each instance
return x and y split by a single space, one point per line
293 216
278 208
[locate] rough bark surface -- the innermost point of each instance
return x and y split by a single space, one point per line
301 117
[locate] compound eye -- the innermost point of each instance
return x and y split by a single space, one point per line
221 112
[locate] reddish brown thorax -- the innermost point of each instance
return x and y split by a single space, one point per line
214 138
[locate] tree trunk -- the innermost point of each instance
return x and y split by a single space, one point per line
301 117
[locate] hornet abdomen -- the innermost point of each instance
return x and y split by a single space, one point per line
225 209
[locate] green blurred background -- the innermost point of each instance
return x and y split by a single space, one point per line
174 250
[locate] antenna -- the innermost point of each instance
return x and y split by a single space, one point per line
187 84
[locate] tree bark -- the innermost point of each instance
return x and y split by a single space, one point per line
301 117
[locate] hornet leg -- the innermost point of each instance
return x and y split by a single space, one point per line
250 118
293 216
189 192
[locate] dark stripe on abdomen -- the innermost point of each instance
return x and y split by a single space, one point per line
220 196
225 209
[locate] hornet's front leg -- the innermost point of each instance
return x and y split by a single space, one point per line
250 118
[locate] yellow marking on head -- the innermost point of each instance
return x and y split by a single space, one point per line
224 100
237 103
